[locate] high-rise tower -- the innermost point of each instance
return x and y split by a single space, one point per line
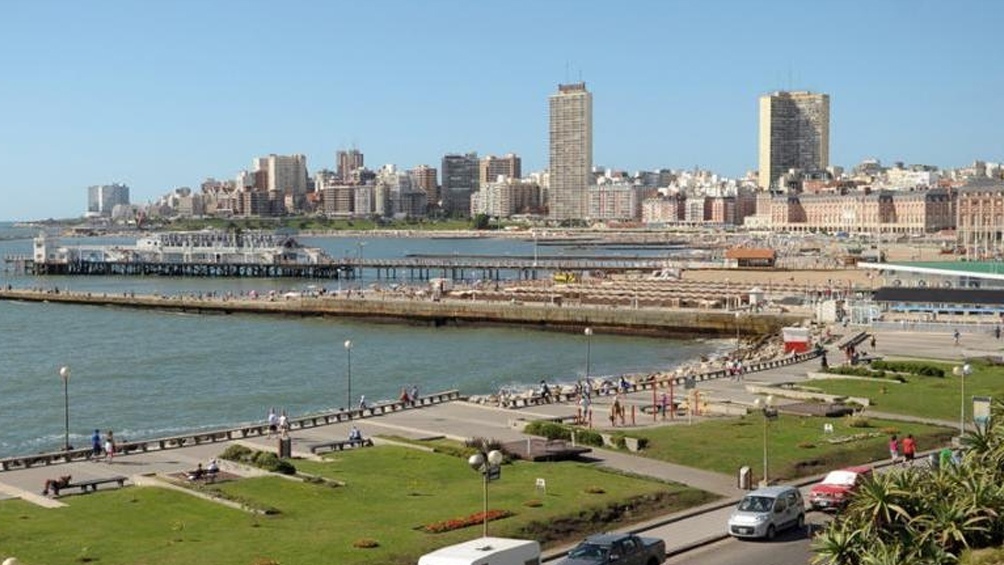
571 151
794 134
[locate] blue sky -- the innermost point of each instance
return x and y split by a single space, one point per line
163 94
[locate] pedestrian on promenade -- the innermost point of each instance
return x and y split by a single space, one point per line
956 335
894 449
284 424
585 410
109 446
545 391
362 402
615 409
273 422
663 403
909 449
413 394
96 444
997 332
873 343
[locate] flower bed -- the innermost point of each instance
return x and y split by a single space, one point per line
457 523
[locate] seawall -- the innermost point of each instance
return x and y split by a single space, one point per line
681 322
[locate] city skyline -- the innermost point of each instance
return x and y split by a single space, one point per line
162 96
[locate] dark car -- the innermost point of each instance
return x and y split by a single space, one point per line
622 549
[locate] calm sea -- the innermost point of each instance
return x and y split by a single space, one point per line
147 374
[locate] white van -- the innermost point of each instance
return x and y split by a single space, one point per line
486 551
766 511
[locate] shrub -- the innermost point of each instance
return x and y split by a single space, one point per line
262 459
588 437
236 452
365 543
594 490
550 430
533 503
806 445
858 422
911 367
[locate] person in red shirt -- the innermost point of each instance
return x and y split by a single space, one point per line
909 449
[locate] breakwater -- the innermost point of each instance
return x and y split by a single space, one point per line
663 322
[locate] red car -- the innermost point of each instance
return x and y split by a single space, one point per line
834 491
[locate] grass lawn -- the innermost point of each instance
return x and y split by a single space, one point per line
927 397
390 492
797 446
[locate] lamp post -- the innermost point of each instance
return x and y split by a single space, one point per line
64 373
962 371
488 464
589 346
535 249
737 333
766 406
348 373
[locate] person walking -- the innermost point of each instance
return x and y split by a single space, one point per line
109 447
273 422
909 449
96 444
956 335
894 449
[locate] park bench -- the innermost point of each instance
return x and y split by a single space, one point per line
91 485
339 445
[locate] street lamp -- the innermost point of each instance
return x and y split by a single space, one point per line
64 373
488 464
348 373
589 340
535 249
737 333
766 406
962 371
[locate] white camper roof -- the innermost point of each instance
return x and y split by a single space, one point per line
474 551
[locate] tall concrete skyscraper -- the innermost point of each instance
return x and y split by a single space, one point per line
794 134
459 174
571 151
348 161
102 198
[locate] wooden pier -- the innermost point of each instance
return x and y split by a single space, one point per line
459 268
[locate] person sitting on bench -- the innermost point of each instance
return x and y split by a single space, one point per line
55 484
197 474
213 467
355 435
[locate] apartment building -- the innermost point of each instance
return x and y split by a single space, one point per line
794 134
571 151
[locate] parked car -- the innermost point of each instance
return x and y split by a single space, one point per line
622 549
835 490
766 511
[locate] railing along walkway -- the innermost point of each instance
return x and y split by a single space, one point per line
228 434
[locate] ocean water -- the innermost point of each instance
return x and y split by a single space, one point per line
147 374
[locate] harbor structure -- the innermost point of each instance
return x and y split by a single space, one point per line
203 253
794 134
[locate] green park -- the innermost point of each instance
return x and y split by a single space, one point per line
394 502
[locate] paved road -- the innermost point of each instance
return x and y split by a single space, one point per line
460 420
